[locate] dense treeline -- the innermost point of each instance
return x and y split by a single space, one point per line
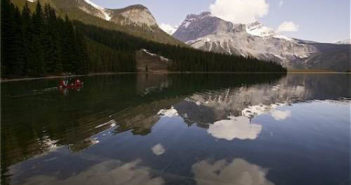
106 59
39 43
184 59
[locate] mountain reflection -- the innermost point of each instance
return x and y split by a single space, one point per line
250 101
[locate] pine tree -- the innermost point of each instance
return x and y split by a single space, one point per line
7 35
27 36
37 55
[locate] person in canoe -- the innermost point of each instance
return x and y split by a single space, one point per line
73 85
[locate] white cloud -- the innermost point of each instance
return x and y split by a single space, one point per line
288 26
168 28
237 172
158 149
235 127
239 11
281 3
280 115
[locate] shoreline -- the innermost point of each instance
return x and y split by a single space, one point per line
162 72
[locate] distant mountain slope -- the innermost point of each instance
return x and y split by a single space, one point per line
135 20
211 33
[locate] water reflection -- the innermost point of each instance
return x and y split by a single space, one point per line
236 172
172 122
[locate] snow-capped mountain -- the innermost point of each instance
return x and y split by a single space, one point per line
133 15
210 33
347 41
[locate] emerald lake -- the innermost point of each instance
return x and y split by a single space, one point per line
204 129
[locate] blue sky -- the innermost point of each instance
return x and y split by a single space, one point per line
317 20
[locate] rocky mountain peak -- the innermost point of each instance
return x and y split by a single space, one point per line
195 26
136 14
198 16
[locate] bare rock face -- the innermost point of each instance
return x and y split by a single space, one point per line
136 14
210 33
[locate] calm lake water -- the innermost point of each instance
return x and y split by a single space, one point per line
178 129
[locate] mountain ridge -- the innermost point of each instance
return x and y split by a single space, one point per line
89 13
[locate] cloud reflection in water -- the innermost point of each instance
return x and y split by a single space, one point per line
280 115
110 172
237 172
235 127
158 149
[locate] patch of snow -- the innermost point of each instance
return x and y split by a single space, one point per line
102 10
107 16
259 30
347 41
228 47
186 24
210 48
283 37
149 53
168 28
164 59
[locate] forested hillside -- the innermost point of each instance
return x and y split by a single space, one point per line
184 59
40 43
